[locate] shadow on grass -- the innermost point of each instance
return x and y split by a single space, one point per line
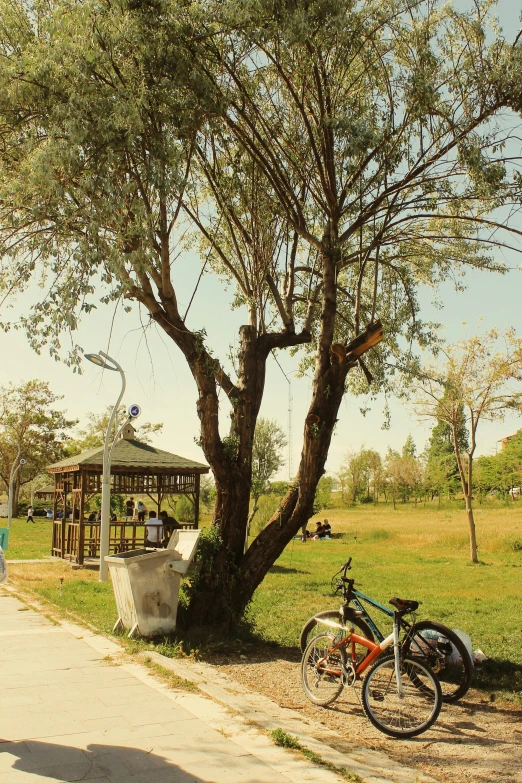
279 569
499 675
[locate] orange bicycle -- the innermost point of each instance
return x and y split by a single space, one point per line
400 694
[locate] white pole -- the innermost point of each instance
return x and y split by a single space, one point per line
106 480
14 469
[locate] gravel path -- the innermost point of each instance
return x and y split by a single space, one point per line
473 741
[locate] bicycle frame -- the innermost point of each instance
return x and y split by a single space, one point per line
374 651
357 598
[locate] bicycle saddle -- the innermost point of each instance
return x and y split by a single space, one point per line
403 605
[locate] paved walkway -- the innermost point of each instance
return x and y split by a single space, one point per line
67 714
71 710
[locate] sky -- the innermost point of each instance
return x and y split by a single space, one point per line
160 382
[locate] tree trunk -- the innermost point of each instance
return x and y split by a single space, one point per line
466 482
226 588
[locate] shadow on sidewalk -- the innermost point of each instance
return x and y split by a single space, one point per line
114 763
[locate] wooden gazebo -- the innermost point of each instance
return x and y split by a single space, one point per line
45 493
137 469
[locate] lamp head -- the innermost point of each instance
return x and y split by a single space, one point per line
99 361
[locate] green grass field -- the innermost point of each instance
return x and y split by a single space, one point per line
418 553
27 541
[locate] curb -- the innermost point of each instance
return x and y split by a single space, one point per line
372 766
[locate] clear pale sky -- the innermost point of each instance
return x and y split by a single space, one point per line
160 382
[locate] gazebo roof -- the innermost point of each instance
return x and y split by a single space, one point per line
47 490
130 454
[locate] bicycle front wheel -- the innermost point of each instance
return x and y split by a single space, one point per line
407 714
321 672
445 653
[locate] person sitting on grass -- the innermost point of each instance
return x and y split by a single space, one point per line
327 529
319 531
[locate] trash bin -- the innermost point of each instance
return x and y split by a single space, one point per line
4 537
146 584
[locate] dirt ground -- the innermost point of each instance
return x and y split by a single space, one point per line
473 741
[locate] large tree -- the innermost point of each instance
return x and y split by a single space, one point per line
479 378
332 155
29 421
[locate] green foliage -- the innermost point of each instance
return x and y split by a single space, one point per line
323 494
207 493
269 442
93 434
184 509
285 740
28 418
214 570
361 475
117 503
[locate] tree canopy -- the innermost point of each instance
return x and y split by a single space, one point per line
325 157
29 420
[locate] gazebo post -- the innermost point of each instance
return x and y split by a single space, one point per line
196 501
64 521
81 530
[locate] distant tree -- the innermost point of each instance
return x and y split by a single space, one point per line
93 434
207 492
441 463
409 449
481 378
393 473
184 510
28 419
323 494
355 474
267 458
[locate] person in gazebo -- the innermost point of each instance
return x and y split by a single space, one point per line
153 531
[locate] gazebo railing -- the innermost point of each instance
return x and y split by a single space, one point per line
78 540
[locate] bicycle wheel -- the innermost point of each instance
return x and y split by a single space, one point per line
445 653
332 614
321 670
407 715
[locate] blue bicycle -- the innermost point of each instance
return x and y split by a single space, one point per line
438 646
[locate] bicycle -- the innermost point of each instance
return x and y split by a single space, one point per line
400 695
440 647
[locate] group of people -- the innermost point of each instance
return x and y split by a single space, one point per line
133 510
158 529
322 530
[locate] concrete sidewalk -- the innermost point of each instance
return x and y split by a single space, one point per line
69 711
67 714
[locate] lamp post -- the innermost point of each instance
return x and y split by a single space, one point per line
103 360
17 464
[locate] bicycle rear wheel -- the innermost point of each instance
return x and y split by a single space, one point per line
321 673
312 627
407 715
445 653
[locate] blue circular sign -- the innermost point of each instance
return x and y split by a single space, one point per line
134 411
22 462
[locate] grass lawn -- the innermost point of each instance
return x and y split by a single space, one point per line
26 541
418 553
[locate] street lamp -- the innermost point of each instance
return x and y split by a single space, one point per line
17 464
104 361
